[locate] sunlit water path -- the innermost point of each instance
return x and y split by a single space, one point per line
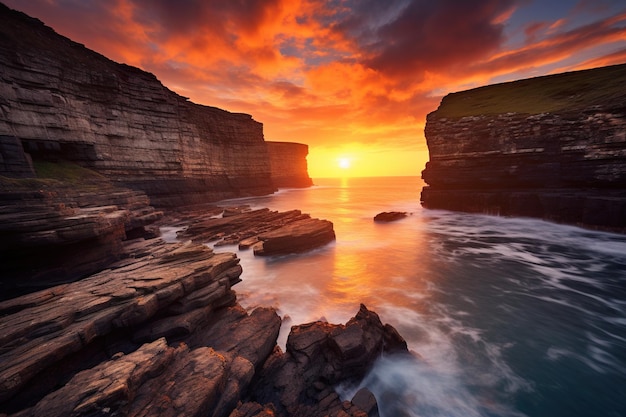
508 316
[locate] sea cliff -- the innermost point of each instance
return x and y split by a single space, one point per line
288 164
550 147
62 101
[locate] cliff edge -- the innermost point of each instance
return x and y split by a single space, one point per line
62 101
551 147
288 164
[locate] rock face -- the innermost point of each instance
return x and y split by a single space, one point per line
51 232
61 100
320 355
288 164
160 334
551 147
101 339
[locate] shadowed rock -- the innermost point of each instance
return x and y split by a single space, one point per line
320 355
389 216
52 233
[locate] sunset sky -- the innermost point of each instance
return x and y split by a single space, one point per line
353 79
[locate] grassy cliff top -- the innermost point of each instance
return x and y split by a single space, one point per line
552 93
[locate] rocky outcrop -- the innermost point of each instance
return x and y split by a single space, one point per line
101 339
289 165
550 147
160 334
53 232
319 356
59 99
389 216
267 232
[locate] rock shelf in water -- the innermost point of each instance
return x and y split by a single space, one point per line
267 232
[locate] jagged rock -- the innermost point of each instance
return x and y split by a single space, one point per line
131 341
320 355
289 165
562 158
390 216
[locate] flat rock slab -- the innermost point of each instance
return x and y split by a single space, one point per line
295 237
42 328
389 216
267 232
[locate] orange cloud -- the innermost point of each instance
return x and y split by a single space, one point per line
328 72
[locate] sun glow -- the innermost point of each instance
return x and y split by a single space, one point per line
358 160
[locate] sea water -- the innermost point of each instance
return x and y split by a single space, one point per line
505 316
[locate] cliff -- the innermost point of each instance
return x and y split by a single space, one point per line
551 147
288 164
60 100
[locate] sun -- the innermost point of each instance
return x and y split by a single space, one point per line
344 163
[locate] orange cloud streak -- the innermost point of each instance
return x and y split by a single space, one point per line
334 74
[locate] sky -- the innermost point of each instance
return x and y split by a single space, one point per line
353 79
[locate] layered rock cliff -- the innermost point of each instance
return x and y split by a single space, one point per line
60 100
289 165
551 147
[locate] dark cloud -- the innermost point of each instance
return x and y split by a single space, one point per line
186 17
405 37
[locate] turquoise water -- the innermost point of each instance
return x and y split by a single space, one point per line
506 316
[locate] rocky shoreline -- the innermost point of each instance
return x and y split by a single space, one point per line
160 332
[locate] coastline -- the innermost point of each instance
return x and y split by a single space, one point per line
166 316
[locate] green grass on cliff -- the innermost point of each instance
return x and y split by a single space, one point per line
553 93
57 173
65 171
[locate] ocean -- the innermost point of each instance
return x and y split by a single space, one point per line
506 316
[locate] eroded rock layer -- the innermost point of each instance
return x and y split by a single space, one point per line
289 164
53 232
59 99
551 147
160 334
